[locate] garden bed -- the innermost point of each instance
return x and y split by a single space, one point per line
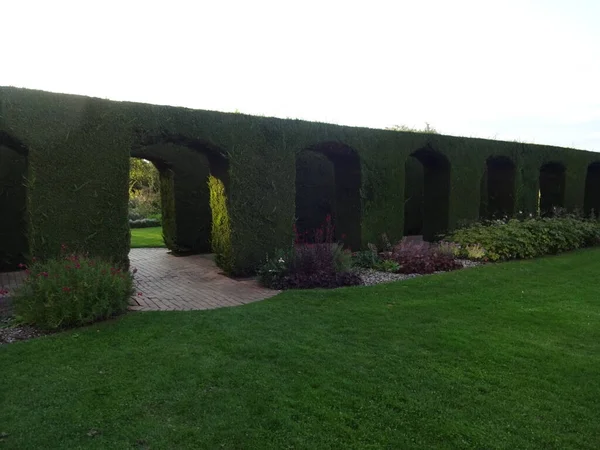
13 333
372 277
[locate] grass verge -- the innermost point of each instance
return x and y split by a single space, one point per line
501 356
147 237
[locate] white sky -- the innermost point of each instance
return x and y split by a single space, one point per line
510 69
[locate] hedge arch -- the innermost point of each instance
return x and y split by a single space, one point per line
328 182
592 190
552 184
427 193
498 188
194 180
78 151
14 246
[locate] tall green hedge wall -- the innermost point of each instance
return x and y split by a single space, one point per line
78 150
13 201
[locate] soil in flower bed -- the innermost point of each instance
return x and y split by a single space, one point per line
12 333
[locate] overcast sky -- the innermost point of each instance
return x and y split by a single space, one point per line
526 70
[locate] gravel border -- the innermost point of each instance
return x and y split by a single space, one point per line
371 277
10 333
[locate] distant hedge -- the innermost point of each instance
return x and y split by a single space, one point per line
144 223
78 150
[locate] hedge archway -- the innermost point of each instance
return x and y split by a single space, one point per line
328 181
498 188
14 245
194 179
552 183
427 193
592 190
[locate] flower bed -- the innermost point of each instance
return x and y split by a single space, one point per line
71 291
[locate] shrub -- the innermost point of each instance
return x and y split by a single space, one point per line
475 252
314 261
144 223
422 257
529 238
274 269
451 248
388 265
145 202
366 259
324 265
72 291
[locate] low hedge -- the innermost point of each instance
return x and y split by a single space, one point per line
144 223
529 238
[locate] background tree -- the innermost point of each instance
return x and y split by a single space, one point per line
428 129
144 190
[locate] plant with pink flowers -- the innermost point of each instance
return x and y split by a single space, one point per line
71 291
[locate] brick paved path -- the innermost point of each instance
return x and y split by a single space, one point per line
168 282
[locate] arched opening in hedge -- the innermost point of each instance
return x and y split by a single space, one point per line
14 245
194 177
427 194
592 191
145 206
498 188
552 188
328 181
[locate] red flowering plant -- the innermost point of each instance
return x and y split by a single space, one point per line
71 290
422 257
315 260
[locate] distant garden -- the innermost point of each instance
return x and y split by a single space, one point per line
144 194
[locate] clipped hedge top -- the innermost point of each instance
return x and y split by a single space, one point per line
148 124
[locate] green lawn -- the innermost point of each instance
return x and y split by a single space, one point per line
147 237
504 356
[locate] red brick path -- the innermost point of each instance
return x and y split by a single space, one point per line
168 282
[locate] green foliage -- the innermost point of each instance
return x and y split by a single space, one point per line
221 226
13 219
144 204
428 129
144 223
77 181
78 165
169 218
342 259
529 238
388 265
504 356
72 291
366 259
187 195
144 190
324 265
143 175
414 186
475 252
147 238
275 268
449 248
